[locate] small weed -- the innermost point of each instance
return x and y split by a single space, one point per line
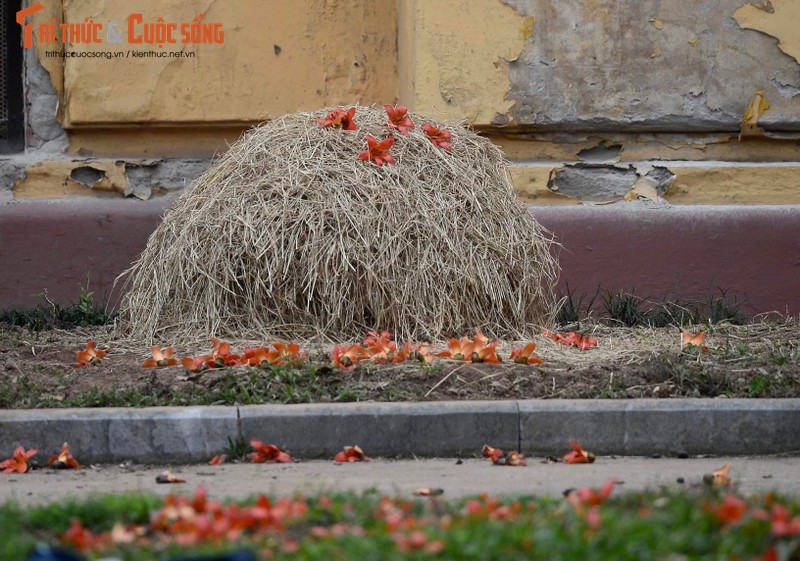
572 309
51 315
724 309
238 448
624 308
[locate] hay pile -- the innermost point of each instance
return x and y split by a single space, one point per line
290 235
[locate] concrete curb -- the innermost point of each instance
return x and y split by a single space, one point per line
537 427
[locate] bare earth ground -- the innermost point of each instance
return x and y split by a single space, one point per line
756 360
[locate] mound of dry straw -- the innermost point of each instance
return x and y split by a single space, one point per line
290 235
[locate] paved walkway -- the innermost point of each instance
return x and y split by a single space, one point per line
471 477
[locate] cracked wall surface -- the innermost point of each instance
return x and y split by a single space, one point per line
654 65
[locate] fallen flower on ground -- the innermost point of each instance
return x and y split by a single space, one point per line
198 364
160 358
515 458
221 355
351 454
217 460
588 497
571 339
524 355
268 453
578 455
19 461
428 492
719 477
168 477
694 339
477 349
89 355
346 356
494 454
731 510
64 459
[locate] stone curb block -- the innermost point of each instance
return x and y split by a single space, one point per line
666 426
385 429
110 435
538 427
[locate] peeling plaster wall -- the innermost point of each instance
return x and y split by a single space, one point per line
460 51
653 65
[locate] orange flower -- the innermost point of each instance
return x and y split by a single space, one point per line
472 350
348 355
64 460
695 339
380 346
221 355
287 353
160 358
524 355
339 118
88 356
515 458
351 454
494 454
378 152
439 137
398 118
578 455
217 460
588 497
81 538
719 477
19 461
196 364
459 349
571 339
268 454
260 356
731 510
423 353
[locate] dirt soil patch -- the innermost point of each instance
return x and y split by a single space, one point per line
759 360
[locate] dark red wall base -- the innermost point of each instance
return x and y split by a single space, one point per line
750 252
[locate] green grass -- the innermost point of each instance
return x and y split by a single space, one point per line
256 385
626 308
632 526
84 312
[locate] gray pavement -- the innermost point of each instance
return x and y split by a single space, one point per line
401 477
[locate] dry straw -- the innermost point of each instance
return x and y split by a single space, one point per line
290 235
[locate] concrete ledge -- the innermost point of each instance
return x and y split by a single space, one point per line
669 427
689 251
385 429
153 435
194 434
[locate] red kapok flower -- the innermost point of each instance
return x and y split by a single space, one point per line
398 118
351 454
18 462
578 455
160 358
88 356
439 137
378 152
64 459
524 355
339 118
268 453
